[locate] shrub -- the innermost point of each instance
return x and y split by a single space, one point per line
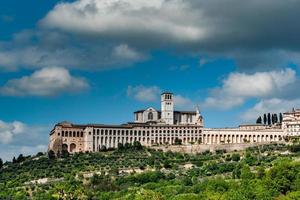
236 157
51 154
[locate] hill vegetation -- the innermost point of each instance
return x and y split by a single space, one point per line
136 173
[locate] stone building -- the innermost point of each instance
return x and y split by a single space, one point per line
291 123
152 127
167 115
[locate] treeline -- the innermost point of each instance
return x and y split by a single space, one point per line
269 119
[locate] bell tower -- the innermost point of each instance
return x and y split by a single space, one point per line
167 108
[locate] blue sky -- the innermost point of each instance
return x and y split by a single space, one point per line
97 61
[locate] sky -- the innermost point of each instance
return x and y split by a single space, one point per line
97 61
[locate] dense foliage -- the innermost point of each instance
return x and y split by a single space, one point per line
133 172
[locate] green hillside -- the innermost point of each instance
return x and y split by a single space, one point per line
136 173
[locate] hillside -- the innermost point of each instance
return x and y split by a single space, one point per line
267 172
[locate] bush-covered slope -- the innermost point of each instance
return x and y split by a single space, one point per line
267 172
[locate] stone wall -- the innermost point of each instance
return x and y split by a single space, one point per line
209 147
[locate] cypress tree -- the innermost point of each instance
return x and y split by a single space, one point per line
1 163
273 119
269 119
259 120
280 117
276 117
14 160
265 119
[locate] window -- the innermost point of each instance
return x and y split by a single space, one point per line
150 116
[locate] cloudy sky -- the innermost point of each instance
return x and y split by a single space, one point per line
97 61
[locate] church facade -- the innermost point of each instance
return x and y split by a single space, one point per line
152 127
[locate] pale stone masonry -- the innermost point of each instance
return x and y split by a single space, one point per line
291 123
153 128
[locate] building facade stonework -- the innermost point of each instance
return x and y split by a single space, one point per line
291 123
152 127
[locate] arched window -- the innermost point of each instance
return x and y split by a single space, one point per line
72 147
150 116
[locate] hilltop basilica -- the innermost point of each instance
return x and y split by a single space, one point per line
153 127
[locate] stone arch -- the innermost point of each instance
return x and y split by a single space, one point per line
150 116
72 147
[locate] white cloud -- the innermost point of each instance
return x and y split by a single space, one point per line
223 103
7 152
17 137
105 34
17 132
238 87
152 94
273 105
257 84
48 81
181 102
10 130
125 52
121 18
143 93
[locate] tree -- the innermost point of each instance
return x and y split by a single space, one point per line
276 118
103 148
1 163
269 119
127 145
64 153
58 154
51 155
246 173
280 117
259 120
14 160
236 157
148 194
273 119
260 172
137 145
167 164
39 154
177 141
236 173
20 158
265 119
120 146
